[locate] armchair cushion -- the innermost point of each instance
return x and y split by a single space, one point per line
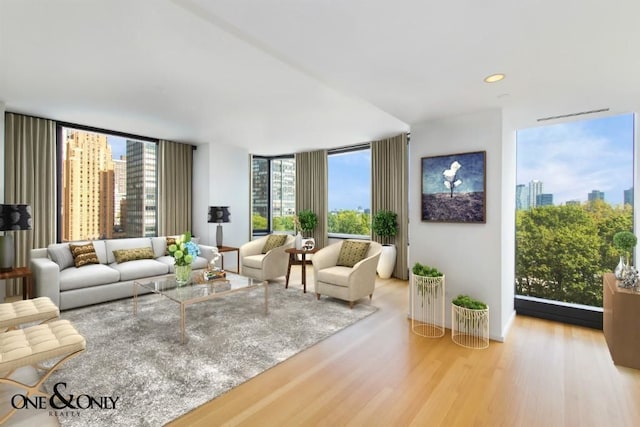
253 261
352 252
336 275
274 241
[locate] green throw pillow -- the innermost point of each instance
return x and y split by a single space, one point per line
124 255
274 241
352 253
84 254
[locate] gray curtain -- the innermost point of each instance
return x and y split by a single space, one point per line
30 178
389 191
175 168
311 190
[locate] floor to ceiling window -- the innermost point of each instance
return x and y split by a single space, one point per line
108 185
349 172
273 194
574 192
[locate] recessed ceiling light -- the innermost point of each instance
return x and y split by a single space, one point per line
493 78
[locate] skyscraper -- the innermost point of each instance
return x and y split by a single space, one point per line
535 188
522 197
87 175
120 186
141 204
628 196
544 199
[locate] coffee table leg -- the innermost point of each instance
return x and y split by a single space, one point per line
266 297
182 310
135 298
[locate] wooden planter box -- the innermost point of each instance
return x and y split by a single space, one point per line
470 328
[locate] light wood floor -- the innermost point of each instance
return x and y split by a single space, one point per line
378 373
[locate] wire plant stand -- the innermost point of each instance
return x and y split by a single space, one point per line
427 306
469 327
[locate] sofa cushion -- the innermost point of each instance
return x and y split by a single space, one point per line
274 241
130 243
124 255
352 253
159 245
89 275
83 254
335 275
253 261
61 255
140 268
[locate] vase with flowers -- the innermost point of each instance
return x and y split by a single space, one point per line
183 251
624 242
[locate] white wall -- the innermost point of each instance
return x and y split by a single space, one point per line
221 178
477 259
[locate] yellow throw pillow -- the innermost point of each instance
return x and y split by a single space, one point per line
352 253
274 241
84 254
124 255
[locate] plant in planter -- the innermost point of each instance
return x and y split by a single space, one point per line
307 220
425 276
624 242
384 224
470 322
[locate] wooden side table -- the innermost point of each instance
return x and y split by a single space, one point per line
27 282
293 260
223 249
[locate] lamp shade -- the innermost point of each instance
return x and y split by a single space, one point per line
219 214
15 217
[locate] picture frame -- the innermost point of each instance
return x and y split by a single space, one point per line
454 187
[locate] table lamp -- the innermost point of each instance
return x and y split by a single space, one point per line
219 214
13 217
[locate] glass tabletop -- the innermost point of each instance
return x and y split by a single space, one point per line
198 288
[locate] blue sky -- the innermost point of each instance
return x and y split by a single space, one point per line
118 146
572 159
350 180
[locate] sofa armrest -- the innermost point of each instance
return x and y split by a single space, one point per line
252 247
46 279
207 251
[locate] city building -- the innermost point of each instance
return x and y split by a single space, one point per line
522 197
120 189
628 196
88 193
595 195
141 189
535 188
544 199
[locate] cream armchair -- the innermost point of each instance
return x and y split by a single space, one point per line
346 283
273 264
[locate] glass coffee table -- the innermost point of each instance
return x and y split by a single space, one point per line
197 290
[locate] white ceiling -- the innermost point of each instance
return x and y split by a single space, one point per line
279 76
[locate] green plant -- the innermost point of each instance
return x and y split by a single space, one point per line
624 242
466 301
307 220
385 224
421 284
425 270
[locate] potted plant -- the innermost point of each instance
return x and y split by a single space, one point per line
624 242
308 221
424 277
384 224
469 322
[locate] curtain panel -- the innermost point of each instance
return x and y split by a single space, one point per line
30 178
175 169
311 190
389 191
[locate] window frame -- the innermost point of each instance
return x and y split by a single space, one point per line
269 159
59 164
346 150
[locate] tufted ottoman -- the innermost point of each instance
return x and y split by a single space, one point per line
13 314
36 344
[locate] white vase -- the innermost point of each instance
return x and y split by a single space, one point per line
387 261
299 241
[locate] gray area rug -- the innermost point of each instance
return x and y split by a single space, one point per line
140 361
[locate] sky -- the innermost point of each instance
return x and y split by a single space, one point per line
350 180
118 146
572 159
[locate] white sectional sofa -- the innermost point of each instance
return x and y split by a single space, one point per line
55 275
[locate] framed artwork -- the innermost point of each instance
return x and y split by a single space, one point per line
453 188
